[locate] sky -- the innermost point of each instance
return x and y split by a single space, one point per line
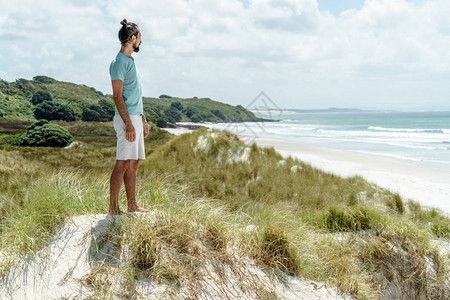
372 54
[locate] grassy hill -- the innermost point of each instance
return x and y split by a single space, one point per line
15 103
216 195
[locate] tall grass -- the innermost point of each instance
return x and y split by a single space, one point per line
206 207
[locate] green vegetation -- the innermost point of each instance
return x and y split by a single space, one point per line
194 110
209 193
41 96
42 134
50 99
54 110
101 112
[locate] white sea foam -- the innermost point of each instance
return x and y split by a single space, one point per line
406 129
422 145
396 156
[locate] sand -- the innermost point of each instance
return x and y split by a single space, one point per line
61 269
430 187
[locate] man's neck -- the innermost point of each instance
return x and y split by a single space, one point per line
127 51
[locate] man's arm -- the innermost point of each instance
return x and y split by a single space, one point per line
146 126
117 86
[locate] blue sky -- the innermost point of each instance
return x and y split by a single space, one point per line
337 6
333 6
383 54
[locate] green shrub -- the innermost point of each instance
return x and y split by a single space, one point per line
219 114
177 105
173 113
195 119
41 96
102 112
91 113
44 79
54 110
189 112
170 120
161 122
42 134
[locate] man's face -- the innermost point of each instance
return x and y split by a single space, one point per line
137 42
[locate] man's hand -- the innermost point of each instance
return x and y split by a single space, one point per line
146 129
130 132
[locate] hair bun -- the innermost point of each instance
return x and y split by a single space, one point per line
124 22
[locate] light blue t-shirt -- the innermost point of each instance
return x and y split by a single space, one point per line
123 68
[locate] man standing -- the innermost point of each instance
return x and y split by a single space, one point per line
129 121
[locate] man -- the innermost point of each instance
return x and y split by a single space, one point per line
129 120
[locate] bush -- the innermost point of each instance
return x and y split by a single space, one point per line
108 109
165 96
41 96
91 113
177 105
102 112
44 79
53 110
219 114
189 112
161 122
195 119
171 120
42 134
173 113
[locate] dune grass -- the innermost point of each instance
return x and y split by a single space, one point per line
212 201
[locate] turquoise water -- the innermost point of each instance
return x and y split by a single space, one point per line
421 138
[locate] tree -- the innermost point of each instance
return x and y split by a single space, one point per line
91 113
190 112
108 109
161 122
219 114
165 96
102 112
43 134
176 105
54 110
44 79
195 119
41 96
173 113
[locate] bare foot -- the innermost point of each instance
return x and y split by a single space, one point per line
115 212
138 209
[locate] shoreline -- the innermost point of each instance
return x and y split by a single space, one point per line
430 187
427 186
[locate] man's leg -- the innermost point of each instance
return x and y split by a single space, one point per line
114 185
130 187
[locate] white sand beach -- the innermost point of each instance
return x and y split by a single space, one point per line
430 187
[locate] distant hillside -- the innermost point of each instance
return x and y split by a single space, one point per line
86 103
195 110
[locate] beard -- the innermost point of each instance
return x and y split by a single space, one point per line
136 49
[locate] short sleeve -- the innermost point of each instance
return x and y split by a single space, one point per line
117 70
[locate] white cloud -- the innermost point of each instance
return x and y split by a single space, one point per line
388 50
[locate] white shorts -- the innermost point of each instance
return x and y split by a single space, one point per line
129 150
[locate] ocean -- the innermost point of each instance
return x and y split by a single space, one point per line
421 138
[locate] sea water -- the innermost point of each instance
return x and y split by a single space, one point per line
421 138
